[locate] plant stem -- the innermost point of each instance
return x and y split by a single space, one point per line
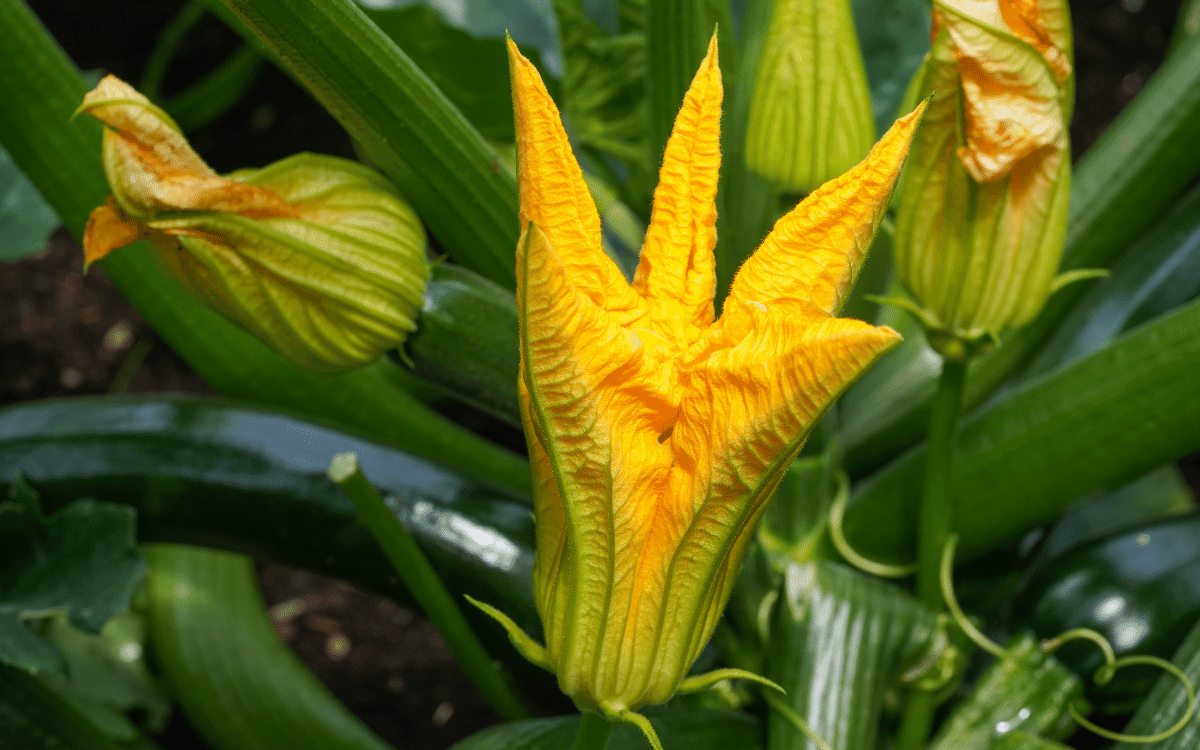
936 499
935 528
418 575
593 733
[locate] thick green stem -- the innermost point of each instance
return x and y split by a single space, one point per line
593 733
418 575
936 524
936 498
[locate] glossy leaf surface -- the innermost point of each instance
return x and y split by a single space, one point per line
841 640
1095 424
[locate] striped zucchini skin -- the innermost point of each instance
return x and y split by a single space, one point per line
239 684
465 344
253 481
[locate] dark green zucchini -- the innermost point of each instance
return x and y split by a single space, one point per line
1139 588
253 481
466 342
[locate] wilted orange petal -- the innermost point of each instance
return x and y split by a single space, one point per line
106 231
152 168
553 194
1010 98
813 254
676 270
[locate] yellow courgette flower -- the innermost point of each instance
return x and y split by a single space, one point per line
656 433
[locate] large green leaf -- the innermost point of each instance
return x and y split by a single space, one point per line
25 219
80 561
840 642
34 716
1157 273
529 22
678 729
471 72
241 686
401 121
41 88
1095 424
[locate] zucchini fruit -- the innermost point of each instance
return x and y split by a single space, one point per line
253 481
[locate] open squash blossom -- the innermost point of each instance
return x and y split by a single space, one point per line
657 434
982 211
317 256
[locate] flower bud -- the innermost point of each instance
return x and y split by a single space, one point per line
317 256
810 119
982 211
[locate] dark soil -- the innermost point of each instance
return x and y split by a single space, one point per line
64 333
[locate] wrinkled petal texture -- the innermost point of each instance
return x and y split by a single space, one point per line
151 167
657 434
315 255
981 218
1010 90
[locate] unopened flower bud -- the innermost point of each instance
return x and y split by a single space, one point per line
810 119
982 213
317 256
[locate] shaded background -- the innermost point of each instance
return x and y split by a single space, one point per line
63 333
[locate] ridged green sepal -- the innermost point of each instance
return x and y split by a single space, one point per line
810 118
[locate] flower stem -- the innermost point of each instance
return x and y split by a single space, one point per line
418 575
936 500
593 733
935 528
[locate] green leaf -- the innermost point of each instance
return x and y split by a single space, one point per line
1028 691
471 72
402 123
106 674
528 22
1167 702
894 36
34 716
80 561
1017 740
1158 272
841 641
26 220
694 729
62 158
1093 425
241 686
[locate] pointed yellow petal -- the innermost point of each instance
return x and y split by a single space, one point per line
814 253
594 410
676 270
745 415
553 194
